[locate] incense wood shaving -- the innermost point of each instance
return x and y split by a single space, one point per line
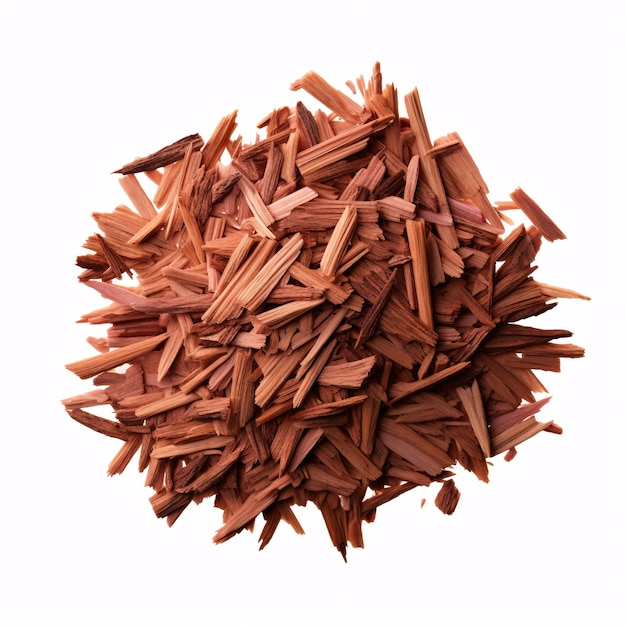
329 315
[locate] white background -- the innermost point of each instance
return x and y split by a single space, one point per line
535 89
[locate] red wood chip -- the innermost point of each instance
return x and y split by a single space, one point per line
333 317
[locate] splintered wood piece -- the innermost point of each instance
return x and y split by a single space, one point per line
173 344
326 331
257 206
169 451
560 292
372 317
125 454
165 404
516 434
537 215
332 317
253 505
217 143
461 178
138 196
260 286
279 369
329 408
165 156
339 240
334 99
99 424
308 380
349 375
416 235
448 497
403 390
412 176
285 313
428 164
86 368
474 409
227 305
499 423
341 146
281 208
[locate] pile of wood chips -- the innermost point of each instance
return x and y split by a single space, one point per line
330 317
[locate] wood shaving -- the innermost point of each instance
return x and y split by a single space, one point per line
329 315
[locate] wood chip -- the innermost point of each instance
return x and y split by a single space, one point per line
331 317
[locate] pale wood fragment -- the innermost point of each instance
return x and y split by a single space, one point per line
165 404
339 241
217 143
86 368
280 209
138 196
334 99
257 206
260 285
350 375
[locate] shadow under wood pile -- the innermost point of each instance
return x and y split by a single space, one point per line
331 317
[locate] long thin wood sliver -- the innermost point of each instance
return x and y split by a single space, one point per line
329 408
253 505
371 319
184 449
258 207
428 381
99 424
416 235
166 404
86 368
285 313
329 328
166 156
308 380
